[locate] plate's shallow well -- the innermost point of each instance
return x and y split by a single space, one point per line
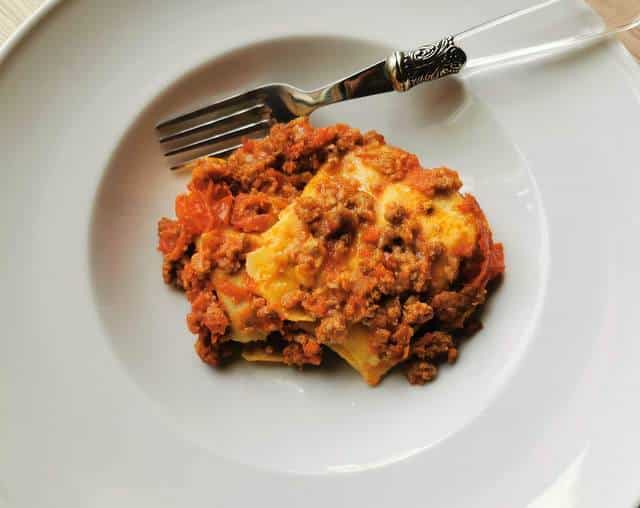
108 405
347 425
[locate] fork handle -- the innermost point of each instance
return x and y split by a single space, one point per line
407 69
403 70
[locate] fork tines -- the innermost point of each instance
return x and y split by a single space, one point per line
215 130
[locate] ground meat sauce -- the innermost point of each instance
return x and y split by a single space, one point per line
229 204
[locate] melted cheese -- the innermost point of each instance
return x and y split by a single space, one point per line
237 309
357 353
271 267
445 223
270 264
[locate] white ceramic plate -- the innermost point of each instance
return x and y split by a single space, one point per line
104 402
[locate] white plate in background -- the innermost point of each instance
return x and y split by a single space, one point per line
105 403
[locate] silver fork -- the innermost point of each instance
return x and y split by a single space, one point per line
218 129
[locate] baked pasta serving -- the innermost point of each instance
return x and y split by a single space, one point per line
325 238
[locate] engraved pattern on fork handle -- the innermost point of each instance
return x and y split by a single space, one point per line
407 69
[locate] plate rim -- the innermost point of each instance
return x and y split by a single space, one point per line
33 20
25 28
